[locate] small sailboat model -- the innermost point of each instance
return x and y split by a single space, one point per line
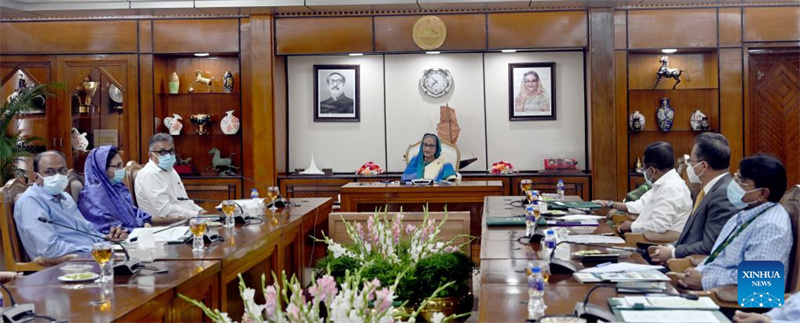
448 130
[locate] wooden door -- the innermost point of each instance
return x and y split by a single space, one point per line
774 126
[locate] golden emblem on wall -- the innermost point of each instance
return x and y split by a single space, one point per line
429 32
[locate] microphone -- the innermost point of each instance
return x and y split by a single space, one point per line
16 312
236 218
594 313
279 202
129 267
560 266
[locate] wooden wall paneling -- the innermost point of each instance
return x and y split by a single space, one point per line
148 125
157 309
204 288
701 67
220 188
196 35
620 128
620 29
39 68
762 24
464 32
281 114
672 28
731 117
259 112
685 102
323 35
730 27
100 36
603 112
145 36
681 141
540 29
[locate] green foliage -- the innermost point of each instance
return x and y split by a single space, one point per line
12 142
387 272
338 267
441 268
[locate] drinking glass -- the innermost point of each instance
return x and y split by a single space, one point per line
228 207
525 185
198 227
101 252
272 194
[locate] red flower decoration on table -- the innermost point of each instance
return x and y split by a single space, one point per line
502 167
369 168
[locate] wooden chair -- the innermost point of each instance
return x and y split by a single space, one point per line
458 223
450 151
75 184
132 169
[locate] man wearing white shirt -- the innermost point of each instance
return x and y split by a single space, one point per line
664 209
158 185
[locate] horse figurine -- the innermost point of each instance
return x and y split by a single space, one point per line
222 165
665 71
198 78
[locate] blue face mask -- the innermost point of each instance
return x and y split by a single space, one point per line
166 162
648 180
119 174
735 195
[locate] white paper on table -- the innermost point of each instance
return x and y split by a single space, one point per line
620 267
146 239
669 316
172 234
590 238
702 303
581 217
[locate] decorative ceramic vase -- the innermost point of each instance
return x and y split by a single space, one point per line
227 82
665 115
229 124
699 121
174 83
636 121
79 141
201 121
173 125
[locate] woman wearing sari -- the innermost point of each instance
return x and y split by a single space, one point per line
532 96
104 200
429 162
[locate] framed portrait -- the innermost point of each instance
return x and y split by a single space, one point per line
532 91
336 93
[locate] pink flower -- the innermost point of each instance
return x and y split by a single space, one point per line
410 229
371 287
450 249
384 299
271 296
293 313
324 290
360 231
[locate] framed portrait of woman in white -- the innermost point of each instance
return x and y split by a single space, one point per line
336 93
532 91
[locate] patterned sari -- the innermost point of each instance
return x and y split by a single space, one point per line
438 170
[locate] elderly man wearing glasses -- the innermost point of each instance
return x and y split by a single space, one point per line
47 199
159 190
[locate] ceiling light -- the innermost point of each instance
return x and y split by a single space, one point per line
356 54
201 54
433 53
509 51
669 50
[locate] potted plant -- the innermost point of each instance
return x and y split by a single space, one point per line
13 143
437 270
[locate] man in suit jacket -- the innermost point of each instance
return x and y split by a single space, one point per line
710 160
338 102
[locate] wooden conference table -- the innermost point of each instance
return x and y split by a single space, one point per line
250 250
504 292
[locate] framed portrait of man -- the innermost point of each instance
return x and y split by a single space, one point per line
532 91
336 93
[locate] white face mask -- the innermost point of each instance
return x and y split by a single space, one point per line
694 177
55 184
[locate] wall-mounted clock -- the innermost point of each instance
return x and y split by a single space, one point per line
436 82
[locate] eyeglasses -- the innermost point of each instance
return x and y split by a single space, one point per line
336 81
737 178
164 152
52 171
431 146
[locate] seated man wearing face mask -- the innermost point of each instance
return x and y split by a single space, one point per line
158 186
665 208
760 231
46 199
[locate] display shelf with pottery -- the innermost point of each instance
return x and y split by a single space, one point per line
636 121
229 124
665 115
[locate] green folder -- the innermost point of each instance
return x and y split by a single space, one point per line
563 206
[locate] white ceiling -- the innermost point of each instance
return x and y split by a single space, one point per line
38 9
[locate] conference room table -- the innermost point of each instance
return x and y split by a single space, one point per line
503 293
281 243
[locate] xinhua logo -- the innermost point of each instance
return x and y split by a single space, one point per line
761 284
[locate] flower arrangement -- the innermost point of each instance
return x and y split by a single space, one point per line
502 167
369 168
354 300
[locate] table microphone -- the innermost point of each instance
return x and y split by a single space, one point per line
560 266
279 201
594 313
129 267
236 218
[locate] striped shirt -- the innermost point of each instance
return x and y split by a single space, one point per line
769 237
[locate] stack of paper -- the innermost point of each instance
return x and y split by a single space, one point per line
669 316
664 302
171 234
595 239
621 267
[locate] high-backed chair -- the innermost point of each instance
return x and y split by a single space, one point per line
132 169
450 151
75 184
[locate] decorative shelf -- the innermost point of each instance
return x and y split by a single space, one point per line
197 94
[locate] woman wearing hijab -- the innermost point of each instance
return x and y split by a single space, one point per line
104 200
429 162
532 96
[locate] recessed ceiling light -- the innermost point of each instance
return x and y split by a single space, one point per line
201 54
356 54
509 51
669 50
433 53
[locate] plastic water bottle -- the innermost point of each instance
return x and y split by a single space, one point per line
254 194
530 220
536 304
560 189
549 243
